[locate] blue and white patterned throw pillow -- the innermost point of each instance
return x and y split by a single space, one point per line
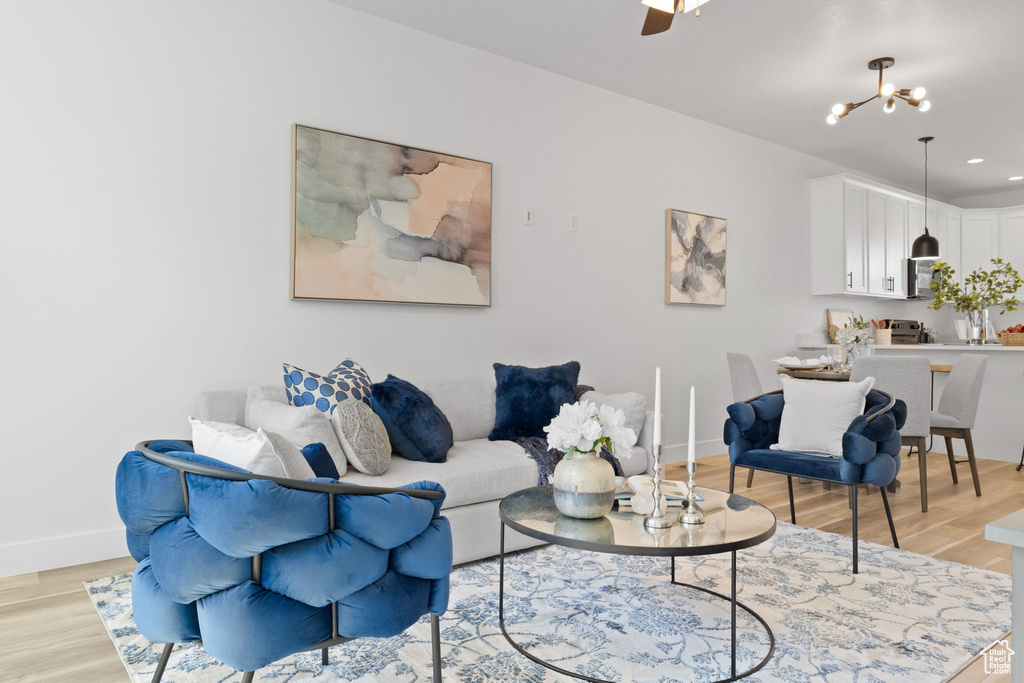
305 388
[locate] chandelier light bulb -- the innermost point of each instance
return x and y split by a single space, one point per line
918 93
925 106
838 109
888 89
889 106
831 119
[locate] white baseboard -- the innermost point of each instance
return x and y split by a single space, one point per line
63 551
704 449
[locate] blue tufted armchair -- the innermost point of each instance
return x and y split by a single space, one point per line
260 568
871 449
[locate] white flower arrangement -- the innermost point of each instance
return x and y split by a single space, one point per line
583 428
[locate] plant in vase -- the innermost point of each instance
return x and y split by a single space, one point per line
853 336
584 482
980 290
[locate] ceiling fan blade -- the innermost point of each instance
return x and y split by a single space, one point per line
658 21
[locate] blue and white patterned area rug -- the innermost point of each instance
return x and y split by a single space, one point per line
905 617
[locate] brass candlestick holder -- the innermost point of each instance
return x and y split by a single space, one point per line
657 519
691 514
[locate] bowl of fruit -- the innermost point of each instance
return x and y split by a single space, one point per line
1011 336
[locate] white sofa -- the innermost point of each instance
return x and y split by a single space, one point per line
478 473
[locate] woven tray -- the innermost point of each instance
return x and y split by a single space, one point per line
1010 338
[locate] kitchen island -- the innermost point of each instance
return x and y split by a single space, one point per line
998 432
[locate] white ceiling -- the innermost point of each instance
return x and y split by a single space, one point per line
773 70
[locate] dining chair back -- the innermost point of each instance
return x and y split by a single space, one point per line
958 405
958 408
745 383
908 378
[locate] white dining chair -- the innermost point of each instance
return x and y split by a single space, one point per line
907 378
958 408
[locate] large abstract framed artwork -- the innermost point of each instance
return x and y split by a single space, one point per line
694 259
373 221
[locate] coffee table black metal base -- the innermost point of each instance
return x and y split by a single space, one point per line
730 598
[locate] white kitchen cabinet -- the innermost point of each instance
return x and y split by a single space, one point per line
896 247
948 234
862 234
855 231
979 241
839 214
887 245
858 239
1011 239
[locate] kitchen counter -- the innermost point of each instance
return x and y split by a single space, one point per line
998 433
948 347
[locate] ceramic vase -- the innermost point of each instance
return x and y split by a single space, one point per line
584 486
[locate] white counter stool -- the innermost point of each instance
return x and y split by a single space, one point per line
745 385
907 378
958 407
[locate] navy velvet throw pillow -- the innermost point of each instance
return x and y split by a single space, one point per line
320 461
417 428
529 398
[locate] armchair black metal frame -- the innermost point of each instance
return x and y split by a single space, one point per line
183 467
853 487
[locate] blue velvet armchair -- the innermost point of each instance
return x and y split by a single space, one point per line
260 568
871 449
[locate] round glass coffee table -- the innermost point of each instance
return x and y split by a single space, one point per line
732 523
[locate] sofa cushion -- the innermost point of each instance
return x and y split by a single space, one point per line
527 399
363 436
632 405
417 428
305 388
302 426
258 452
477 471
633 461
469 406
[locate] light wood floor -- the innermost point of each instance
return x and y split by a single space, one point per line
49 630
952 529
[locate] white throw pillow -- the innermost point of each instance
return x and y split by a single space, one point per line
363 437
258 452
299 425
817 414
632 405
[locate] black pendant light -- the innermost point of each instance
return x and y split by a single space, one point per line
925 246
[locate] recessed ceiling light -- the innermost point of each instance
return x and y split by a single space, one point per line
975 161
1017 177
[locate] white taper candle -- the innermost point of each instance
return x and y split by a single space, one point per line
657 407
691 455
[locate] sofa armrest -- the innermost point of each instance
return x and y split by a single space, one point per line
646 440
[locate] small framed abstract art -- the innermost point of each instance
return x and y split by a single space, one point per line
694 258
375 221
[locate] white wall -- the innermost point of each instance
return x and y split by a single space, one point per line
144 160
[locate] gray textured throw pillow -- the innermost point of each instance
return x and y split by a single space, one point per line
363 437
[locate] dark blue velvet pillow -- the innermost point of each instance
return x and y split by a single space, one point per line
417 428
529 398
320 461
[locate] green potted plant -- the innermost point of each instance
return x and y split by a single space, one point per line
980 290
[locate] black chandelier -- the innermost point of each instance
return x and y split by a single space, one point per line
915 97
